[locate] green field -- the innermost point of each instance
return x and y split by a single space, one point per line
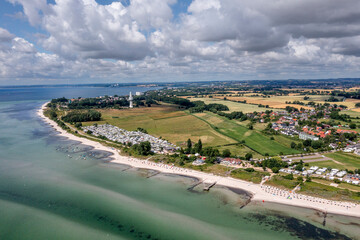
327 164
240 150
254 177
349 160
352 114
253 139
234 106
329 192
165 121
280 182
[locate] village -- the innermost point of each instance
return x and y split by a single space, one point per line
123 136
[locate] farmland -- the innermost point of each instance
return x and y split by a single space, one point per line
253 138
233 106
277 102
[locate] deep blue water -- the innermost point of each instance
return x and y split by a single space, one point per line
47 93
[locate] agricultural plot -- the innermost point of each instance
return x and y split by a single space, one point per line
166 122
277 102
233 106
253 139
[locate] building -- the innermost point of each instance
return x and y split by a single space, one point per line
131 100
139 93
305 136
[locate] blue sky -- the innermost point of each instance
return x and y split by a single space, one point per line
84 41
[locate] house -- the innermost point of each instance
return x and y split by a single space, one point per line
198 162
305 136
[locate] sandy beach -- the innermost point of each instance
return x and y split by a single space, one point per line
261 193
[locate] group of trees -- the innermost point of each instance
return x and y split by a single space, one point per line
275 164
197 148
234 115
342 117
106 102
143 148
200 106
75 116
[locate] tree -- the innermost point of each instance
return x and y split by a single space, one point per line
293 145
78 125
307 143
289 176
352 125
53 114
299 167
226 153
189 145
198 146
144 148
139 129
248 156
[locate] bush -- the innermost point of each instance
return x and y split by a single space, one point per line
139 129
352 125
78 125
289 176
249 169
248 156
226 153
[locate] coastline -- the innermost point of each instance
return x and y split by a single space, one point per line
260 194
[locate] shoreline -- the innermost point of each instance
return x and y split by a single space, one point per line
259 193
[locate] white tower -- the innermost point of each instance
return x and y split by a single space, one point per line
131 100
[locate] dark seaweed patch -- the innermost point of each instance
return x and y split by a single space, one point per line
295 227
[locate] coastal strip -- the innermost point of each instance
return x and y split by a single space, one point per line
259 192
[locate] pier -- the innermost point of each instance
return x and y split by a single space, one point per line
208 185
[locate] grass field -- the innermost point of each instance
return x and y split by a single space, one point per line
348 186
327 164
280 182
254 177
233 106
211 168
240 150
349 160
165 121
253 139
329 192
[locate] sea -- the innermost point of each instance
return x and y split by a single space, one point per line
55 188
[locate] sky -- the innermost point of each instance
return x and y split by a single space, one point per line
101 41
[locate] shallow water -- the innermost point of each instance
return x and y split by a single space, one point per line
53 188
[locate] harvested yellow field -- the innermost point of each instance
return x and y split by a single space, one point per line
233 106
273 102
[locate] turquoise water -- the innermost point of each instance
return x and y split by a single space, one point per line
53 188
